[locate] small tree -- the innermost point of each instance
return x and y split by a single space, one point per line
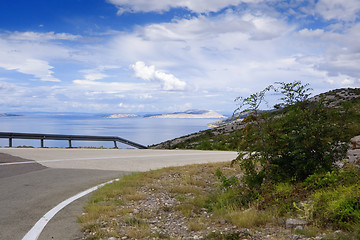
253 142
292 143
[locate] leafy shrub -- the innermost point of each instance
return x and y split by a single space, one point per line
296 142
227 182
322 180
230 195
338 207
345 177
283 190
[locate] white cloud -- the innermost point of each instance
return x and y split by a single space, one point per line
109 87
265 27
97 73
198 6
336 54
347 10
5 87
258 27
311 33
142 71
219 55
131 107
38 68
144 96
31 57
179 107
209 52
37 36
148 73
95 76
342 81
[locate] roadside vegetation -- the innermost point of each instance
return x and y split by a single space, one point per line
152 205
288 168
169 203
220 138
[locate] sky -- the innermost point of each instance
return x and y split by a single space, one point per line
131 56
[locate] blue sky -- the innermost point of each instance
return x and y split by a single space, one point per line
128 56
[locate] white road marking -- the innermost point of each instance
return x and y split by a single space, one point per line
100 158
36 230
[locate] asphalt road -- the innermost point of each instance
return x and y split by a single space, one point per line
33 181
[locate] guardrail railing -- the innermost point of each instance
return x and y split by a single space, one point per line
70 138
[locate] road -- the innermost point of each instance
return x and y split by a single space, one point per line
33 181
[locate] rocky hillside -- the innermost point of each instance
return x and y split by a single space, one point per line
335 97
223 135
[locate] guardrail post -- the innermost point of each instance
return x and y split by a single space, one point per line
42 142
115 145
70 143
10 142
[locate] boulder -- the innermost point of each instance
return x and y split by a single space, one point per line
355 142
353 156
293 223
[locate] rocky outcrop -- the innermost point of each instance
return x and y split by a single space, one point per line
335 97
355 141
293 223
353 154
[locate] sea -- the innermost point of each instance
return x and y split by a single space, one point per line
145 131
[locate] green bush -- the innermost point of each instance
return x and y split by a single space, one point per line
336 198
322 180
289 145
339 207
345 177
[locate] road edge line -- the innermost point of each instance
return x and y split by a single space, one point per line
39 226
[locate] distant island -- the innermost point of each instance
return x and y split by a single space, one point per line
121 116
8 115
189 114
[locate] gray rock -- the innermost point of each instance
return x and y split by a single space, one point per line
353 155
338 232
222 221
292 223
296 237
136 211
299 228
240 175
355 142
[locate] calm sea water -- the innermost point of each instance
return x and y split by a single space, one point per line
146 131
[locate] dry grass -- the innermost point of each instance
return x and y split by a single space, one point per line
198 224
139 231
189 185
96 211
249 218
185 208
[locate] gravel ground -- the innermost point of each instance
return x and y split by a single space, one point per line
166 209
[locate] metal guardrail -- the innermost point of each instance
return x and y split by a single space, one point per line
70 138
